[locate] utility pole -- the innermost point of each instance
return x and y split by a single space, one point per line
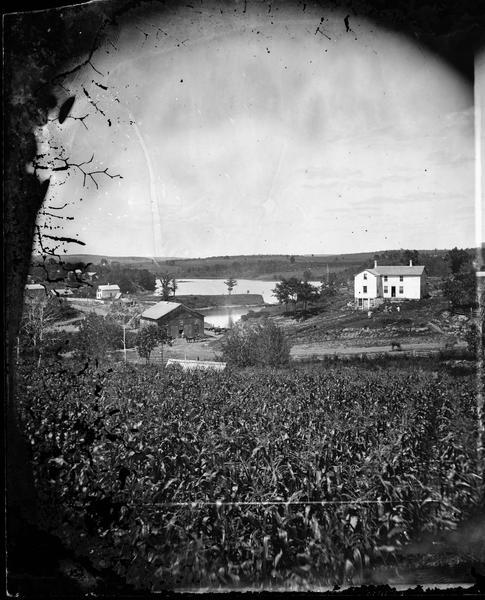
124 333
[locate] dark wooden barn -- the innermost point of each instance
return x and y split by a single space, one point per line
176 319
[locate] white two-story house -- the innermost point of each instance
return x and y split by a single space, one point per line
373 286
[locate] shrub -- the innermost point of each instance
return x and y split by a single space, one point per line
261 344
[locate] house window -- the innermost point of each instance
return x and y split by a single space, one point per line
401 278
386 289
364 289
401 289
385 277
365 275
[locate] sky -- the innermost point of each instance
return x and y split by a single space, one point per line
258 133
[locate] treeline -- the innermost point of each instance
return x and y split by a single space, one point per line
85 277
339 268
129 279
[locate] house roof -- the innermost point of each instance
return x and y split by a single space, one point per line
396 270
34 286
109 288
62 292
160 309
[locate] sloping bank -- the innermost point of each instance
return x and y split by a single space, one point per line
216 300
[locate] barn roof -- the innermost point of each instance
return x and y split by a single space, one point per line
160 309
34 286
396 270
163 308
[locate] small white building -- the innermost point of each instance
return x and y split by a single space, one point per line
108 292
373 286
35 290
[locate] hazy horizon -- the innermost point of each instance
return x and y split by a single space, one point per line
314 255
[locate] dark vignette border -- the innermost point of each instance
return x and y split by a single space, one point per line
39 42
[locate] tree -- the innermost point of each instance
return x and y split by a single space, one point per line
458 259
174 286
97 335
126 284
145 279
126 316
306 292
410 255
281 292
38 314
167 285
328 290
307 275
461 289
287 290
148 338
230 283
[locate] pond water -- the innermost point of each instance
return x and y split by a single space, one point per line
207 287
203 287
227 316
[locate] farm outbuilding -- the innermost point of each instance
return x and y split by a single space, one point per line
176 319
34 291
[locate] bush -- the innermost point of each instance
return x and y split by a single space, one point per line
262 344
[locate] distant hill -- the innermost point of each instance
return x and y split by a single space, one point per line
340 267
96 258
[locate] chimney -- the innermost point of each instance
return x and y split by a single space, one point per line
375 264
410 263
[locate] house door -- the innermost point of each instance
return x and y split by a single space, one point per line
393 291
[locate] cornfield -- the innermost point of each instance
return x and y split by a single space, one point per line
242 477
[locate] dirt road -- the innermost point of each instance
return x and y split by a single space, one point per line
320 349
180 349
